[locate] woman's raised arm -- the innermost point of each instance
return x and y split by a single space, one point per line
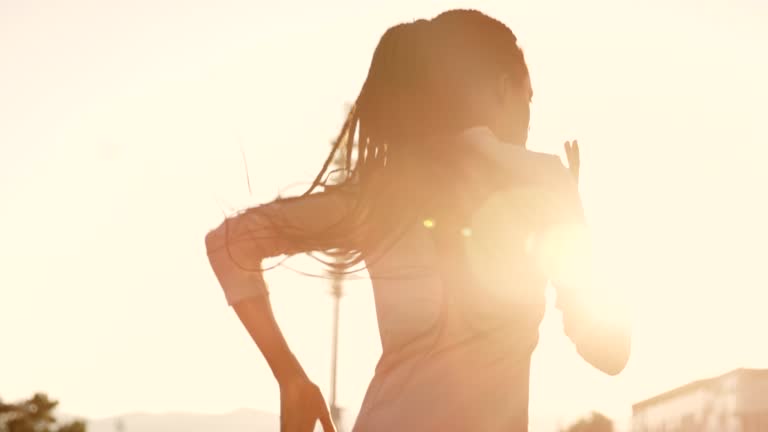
235 251
237 247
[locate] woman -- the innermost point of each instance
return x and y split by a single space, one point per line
459 226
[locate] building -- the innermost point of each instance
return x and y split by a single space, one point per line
734 402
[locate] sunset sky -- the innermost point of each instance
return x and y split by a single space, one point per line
121 129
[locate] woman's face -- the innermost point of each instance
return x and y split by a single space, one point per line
503 105
511 120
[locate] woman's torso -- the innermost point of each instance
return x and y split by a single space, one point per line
457 334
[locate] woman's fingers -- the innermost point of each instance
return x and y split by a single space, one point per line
575 151
574 160
322 412
572 149
302 413
325 419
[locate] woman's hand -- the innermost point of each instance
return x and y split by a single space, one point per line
302 405
574 161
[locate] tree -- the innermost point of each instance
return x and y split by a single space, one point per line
596 422
34 415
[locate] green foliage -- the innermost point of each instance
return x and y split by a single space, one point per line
596 422
34 415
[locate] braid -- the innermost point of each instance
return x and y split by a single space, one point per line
410 102
341 139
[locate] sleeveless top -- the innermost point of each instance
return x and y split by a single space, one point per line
456 346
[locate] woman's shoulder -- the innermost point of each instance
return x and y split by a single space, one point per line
516 164
328 195
307 211
511 157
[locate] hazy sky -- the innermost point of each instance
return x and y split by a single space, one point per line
121 125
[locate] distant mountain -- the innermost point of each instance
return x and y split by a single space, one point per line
238 421
244 420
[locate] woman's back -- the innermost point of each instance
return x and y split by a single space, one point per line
457 334
458 325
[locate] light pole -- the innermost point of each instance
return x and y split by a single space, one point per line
337 280
336 292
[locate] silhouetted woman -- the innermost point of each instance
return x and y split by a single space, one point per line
459 226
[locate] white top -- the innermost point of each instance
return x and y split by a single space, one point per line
456 354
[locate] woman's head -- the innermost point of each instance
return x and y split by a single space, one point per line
431 79
484 75
428 80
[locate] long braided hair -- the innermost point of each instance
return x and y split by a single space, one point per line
398 157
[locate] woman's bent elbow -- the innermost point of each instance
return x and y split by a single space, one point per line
609 353
614 358
615 366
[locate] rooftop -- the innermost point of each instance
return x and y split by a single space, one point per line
695 385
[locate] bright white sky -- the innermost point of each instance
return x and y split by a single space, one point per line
121 125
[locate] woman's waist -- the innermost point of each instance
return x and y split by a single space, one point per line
460 325
484 373
454 344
